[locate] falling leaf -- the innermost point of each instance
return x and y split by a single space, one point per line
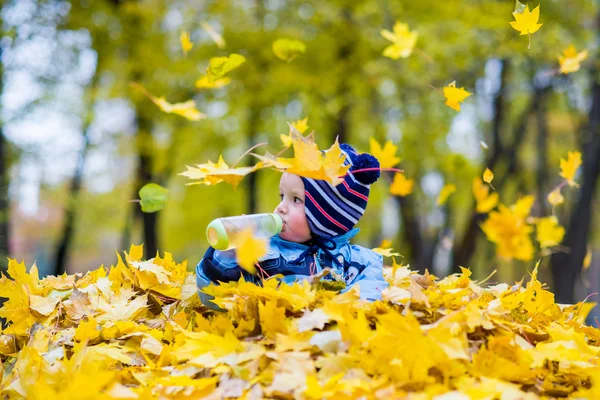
186 109
526 22
446 191
385 252
587 260
569 167
488 176
454 96
485 201
153 197
186 43
401 186
205 83
403 41
386 155
214 35
555 197
548 232
211 173
288 49
385 244
301 125
507 228
219 66
570 61
249 250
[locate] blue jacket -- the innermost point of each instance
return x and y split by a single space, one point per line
355 264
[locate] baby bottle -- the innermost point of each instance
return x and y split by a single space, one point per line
222 233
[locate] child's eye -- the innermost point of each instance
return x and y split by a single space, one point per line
297 200
281 196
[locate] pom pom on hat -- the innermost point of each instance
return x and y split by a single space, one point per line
364 161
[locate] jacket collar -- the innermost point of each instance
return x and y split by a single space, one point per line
339 240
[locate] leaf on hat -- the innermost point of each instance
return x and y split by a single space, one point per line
309 161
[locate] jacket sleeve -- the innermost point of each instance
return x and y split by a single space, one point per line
202 280
370 279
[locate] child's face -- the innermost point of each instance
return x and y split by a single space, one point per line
291 209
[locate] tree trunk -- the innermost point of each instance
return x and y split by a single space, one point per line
4 200
566 265
465 250
542 153
144 176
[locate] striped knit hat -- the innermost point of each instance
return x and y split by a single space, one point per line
334 210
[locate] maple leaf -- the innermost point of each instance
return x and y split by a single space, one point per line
219 66
403 41
186 43
386 155
205 83
570 61
288 49
569 167
446 191
211 173
454 96
485 200
249 250
385 252
301 126
548 232
401 186
310 162
186 109
526 22
507 228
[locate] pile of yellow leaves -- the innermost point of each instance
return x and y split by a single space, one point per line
138 331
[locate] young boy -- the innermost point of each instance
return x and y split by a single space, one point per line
318 220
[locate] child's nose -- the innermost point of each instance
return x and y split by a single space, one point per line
281 209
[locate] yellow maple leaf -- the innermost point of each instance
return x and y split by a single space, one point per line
508 229
570 61
186 109
219 66
186 43
526 22
454 96
211 173
288 49
569 167
301 125
548 232
310 162
485 201
249 250
401 186
205 83
446 191
403 41
555 197
386 155
389 252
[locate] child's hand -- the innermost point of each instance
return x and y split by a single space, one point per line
215 273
